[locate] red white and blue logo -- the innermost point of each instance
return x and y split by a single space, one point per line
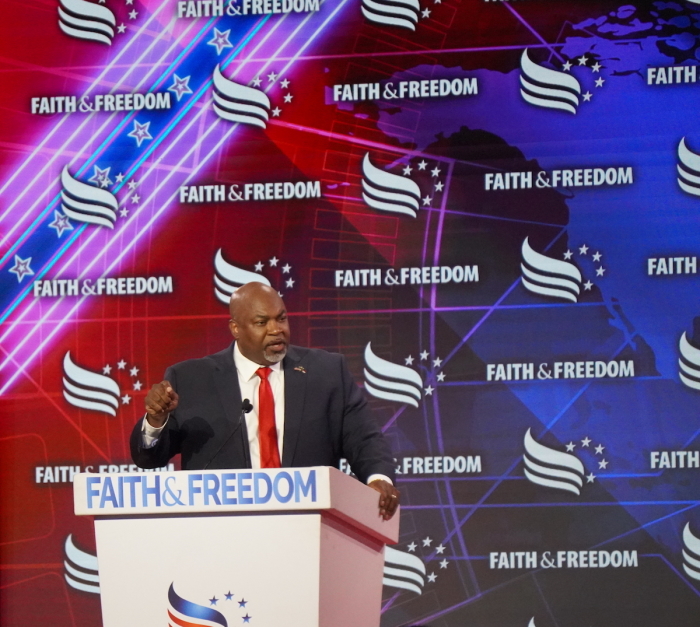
184 613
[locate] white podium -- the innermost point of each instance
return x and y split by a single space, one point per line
292 547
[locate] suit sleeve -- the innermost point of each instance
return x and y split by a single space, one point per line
364 444
168 444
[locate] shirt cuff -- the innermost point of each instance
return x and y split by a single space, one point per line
150 434
382 477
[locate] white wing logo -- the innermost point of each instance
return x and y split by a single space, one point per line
689 363
553 469
691 553
385 191
240 103
401 13
532 622
549 277
390 381
228 278
688 169
85 203
89 390
81 568
85 20
547 88
403 570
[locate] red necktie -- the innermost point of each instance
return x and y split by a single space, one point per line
269 451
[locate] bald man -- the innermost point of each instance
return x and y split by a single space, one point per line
262 403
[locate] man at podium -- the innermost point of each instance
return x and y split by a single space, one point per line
262 403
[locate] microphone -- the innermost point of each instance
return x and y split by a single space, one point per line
246 408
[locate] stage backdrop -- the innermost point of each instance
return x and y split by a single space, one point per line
490 207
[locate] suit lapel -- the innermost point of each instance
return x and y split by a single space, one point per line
294 393
226 381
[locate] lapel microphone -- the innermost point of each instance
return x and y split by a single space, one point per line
246 408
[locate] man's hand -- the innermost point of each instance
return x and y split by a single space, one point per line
160 401
388 498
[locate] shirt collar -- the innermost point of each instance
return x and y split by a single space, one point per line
247 368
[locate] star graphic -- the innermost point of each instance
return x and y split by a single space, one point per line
246 618
567 66
440 549
271 77
590 478
444 563
412 547
409 360
585 442
276 112
587 285
286 268
432 577
603 464
21 268
130 1
429 390
121 29
140 132
587 96
119 177
137 386
583 250
121 365
284 84
289 283
582 60
257 81
134 371
407 170
259 266
124 213
100 177
600 271
229 595
135 199
132 185
126 399
435 172
424 355
180 86
242 603
60 223
599 82
220 40
441 377
570 447
438 186
599 449
596 67
425 13
427 200
427 541
273 262
438 1
133 15
288 98
567 254
437 362
597 256
213 600
107 369
422 165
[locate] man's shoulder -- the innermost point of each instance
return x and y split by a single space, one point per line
305 355
218 360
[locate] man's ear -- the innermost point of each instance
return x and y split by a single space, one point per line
233 327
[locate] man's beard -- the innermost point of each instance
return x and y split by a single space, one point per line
275 358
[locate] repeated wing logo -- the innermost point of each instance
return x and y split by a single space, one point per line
691 553
89 390
689 363
390 381
551 468
239 103
401 13
385 191
549 277
532 622
547 88
81 570
688 169
86 20
86 203
228 278
403 570
182 612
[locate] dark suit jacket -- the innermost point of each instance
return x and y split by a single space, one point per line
326 417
